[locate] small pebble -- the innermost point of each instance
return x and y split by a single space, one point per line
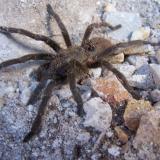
109 134
137 60
96 72
110 8
142 33
30 108
142 78
155 69
134 111
122 136
126 69
83 137
98 114
114 151
155 95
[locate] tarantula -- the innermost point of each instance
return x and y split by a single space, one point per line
69 64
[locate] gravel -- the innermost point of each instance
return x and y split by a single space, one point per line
65 135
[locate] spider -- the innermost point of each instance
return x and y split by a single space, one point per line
69 64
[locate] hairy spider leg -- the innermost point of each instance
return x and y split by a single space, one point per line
41 111
54 45
123 80
119 75
36 93
76 94
61 25
121 47
75 65
42 77
23 59
90 28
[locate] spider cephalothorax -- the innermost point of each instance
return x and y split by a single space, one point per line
69 64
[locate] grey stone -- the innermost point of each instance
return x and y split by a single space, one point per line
129 21
155 68
153 59
70 112
83 137
158 1
114 150
63 93
126 69
149 11
15 118
30 108
155 95
142 78
66 103
137 60
98 114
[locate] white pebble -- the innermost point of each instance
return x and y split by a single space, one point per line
141 34
96 72
114 151
98 114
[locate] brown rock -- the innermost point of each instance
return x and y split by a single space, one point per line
149 129
147 139
122 136
110 89
134 111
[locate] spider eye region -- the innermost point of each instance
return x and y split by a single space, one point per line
89 46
